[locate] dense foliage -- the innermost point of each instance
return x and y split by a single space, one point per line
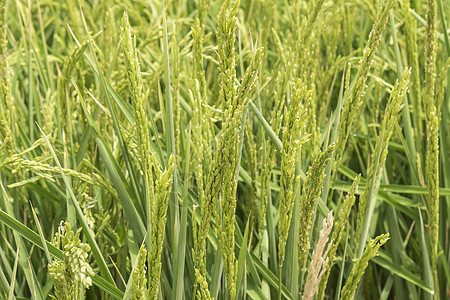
253 149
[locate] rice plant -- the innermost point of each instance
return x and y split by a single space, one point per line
252 149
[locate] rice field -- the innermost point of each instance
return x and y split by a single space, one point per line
205 149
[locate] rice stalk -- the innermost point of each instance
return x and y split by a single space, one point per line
223 169
319 260
138 98
352 100
6 108
236 101
412 55
293 138
226 36
336 237
311 190
368 197
139 275
163 186
359 267
432 126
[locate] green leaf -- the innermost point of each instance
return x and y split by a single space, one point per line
384 261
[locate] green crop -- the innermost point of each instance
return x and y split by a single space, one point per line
232 149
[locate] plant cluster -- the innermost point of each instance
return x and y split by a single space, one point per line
252 149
